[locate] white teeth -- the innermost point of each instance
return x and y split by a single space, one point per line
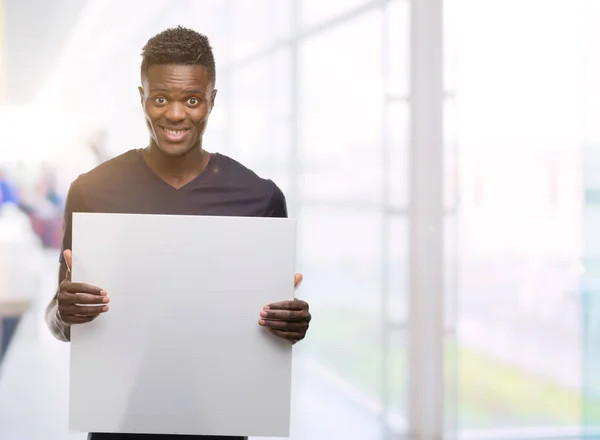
175 132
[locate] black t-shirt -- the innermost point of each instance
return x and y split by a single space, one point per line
127 185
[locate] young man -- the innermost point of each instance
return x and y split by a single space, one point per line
173 175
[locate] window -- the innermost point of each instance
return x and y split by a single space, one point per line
397 28
259 112
341 112
256 25
315 12
517 127
341 250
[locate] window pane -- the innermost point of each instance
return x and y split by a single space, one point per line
341 112
395 345
340 254
257 24
397 23
591 169
397 382
520 223
397 135
451 171
315 11
259 113
451 224
397 269
452 13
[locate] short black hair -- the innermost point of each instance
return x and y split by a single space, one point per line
179 45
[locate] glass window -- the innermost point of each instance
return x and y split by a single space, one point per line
397 126
395 343
520 224
396 383
341 256
259 112
451 47
341 109
316 11
397 22
591 267
451 155
239 28
451 240
397 269
257 24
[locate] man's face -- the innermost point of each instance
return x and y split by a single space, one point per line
177 101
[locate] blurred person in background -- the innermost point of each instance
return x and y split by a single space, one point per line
9 193
174 174
44 207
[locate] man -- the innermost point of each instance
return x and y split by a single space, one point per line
173 175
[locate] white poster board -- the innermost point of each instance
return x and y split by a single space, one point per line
180 350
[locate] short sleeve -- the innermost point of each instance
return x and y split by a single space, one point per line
74 203
277 205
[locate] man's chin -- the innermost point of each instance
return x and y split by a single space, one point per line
174 149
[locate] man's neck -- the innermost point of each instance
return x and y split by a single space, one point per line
177 171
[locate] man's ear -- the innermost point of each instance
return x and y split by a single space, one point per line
212 98
141 90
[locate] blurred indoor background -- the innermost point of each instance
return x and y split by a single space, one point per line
341 102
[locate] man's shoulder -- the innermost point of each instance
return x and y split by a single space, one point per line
109 170
241 178
238 173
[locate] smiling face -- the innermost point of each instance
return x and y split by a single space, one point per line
177 101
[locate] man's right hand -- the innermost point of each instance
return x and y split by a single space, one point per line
79 303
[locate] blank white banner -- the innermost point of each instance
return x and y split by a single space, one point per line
180 350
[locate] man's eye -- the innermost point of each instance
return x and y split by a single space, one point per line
193 101
160 100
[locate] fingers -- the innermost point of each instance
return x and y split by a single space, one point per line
287 319
71 314
68 255
288 305
82 310
299 327
80 293
79 303
286 315
290 336
66 298
68 286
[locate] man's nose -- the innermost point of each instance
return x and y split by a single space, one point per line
175 112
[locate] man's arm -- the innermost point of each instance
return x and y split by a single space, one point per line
59 329
73 203
286 319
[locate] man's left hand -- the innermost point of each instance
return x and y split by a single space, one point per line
287 319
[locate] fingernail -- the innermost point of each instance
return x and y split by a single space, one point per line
103 292
263 314
105 300
105 309
261 322
266 308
